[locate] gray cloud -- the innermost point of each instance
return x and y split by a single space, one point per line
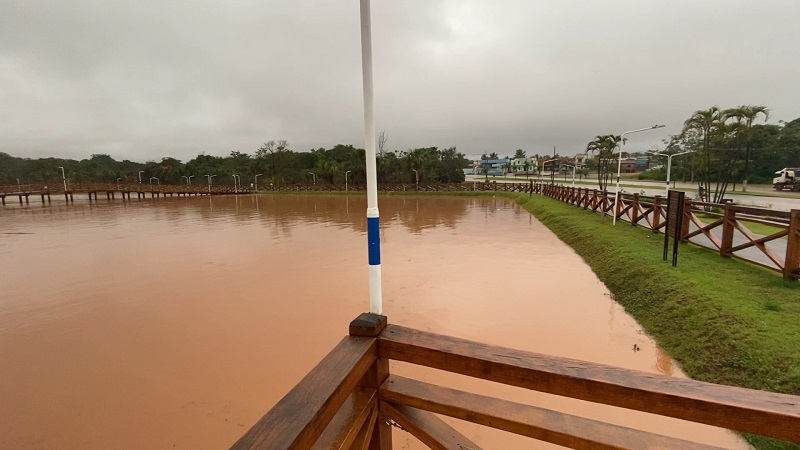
178 77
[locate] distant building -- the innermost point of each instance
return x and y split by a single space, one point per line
523 166
628 165
581 159
495 166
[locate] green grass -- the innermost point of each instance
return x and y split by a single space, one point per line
723 320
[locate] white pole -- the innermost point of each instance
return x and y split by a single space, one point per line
669 166
373 217
256 185
619 165
64 178
189 180
345 179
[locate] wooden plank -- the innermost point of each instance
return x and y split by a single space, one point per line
760 240
301 416
767 413
761 212
348 422
428 428
363 440
760 245
537 423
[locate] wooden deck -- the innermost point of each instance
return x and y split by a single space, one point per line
352 389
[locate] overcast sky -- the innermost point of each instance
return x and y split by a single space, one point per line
142 80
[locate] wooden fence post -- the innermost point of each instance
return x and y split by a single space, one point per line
791 268
687 218
656 212
728 220
371 325
634 210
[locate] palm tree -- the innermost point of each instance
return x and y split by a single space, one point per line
705 122
745 115
604 145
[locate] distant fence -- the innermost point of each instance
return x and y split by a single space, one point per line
720 227
58 188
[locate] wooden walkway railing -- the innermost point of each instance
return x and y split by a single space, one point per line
352 389
727 232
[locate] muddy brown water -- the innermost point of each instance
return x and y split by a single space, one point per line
177 323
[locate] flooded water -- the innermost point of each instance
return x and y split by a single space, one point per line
177 323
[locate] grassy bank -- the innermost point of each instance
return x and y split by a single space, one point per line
723 320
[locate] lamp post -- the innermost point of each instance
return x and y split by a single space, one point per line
118 188
256 185
235 188
315 177
64 178
155 178
573 173
209 182
189 180
416 179
345 179
541 178
184 176
619 164
669 166
140 176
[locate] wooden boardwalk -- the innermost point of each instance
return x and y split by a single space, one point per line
111 191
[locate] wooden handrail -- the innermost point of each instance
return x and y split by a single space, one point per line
766 413
344 429
299 418
537 423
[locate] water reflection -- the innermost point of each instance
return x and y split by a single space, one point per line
188 318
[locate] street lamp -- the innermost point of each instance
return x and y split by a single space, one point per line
235 188
189 179
140 176
619 163
315 177
184 176
64 178
541 179
573 172
118 188
209 182
416 178
155 178
669 166
257 175
345 179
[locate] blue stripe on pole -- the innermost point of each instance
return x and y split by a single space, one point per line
373 241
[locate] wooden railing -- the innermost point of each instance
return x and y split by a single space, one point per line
350 399
58 188
727 232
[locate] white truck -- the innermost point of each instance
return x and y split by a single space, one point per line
788 178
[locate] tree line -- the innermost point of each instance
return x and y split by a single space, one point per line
726 147
275 162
